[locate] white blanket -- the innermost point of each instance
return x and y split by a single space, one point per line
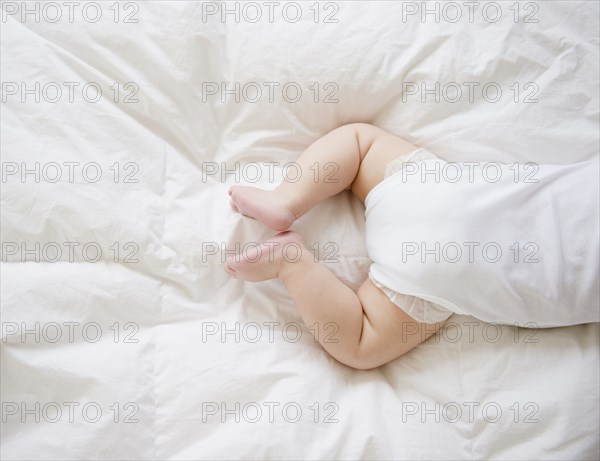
121 333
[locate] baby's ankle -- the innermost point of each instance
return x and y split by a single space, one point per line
286 199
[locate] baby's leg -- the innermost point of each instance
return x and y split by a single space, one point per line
328 166
363 329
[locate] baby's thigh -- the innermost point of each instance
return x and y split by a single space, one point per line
384 147
389 332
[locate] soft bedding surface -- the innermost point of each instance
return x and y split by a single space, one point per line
123 125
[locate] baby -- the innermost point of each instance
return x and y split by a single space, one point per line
539 268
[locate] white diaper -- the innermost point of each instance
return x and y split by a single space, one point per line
505 243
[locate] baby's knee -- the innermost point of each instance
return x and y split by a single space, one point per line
363 358
353 360
361 362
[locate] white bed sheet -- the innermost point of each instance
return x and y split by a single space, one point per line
177 379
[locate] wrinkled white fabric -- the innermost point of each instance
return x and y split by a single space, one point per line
196 325
505 243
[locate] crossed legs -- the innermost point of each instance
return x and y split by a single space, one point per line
363 329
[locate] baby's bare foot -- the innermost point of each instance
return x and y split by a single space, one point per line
265 261
265 206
